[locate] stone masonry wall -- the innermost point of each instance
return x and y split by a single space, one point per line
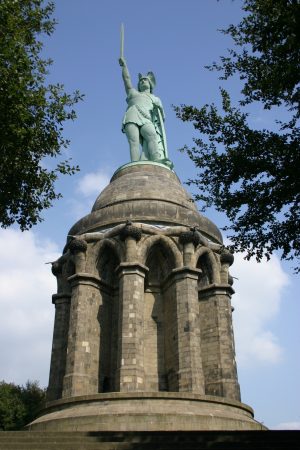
136 323
82 366
217 344
59 346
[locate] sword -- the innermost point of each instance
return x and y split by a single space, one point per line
163 132
122 42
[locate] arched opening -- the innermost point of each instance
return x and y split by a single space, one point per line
206 275
107 263
156 316
108 317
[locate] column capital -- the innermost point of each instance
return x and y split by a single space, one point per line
129 268
130 231
84 278
186 271
182 272
216 289
61 298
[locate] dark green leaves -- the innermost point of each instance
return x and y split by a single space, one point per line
19 405
253 175
32 115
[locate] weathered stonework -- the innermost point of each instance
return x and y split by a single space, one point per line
143 316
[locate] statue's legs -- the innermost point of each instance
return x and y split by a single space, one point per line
133 136
149 134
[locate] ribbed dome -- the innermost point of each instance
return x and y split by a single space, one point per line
149 193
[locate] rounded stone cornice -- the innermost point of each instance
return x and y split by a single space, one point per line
146 411
149 194
191 396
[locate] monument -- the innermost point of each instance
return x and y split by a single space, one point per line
143 337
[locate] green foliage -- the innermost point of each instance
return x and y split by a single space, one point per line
253 175
19 405
32 115
34 399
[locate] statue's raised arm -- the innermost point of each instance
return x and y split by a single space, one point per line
125 74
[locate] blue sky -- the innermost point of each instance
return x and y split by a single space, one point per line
175 39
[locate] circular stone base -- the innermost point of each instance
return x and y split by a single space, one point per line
155 411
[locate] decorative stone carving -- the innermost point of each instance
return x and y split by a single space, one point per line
59 269
226 257
56 268
77 246
192 236
130 230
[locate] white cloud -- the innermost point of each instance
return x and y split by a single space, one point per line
88 188
257 302
26 311
93 183
287 426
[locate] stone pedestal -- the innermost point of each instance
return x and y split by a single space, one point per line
144 341
141 411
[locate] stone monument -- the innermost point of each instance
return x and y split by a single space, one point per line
143 337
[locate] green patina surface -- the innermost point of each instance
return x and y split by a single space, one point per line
167 164
143 122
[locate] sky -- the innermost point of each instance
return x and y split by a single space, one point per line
175 39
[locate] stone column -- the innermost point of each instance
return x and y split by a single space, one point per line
131 235
226 259
190 374
130 373
189 240
217 341
82 367
59 345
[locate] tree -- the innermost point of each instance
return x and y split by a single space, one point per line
32 114
19 405
12 409
34 399
253 174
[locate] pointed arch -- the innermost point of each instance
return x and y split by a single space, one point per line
107 257
167 245
161 255
204 259
106 249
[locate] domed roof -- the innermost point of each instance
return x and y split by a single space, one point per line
149 193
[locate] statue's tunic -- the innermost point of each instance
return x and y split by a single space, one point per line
140 107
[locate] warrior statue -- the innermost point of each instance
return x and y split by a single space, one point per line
143 122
